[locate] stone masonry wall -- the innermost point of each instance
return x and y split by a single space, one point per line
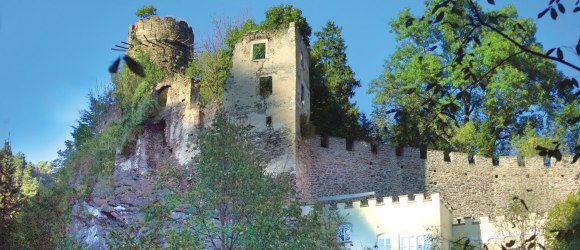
478 189
168 41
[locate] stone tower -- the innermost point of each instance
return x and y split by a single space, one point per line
269 88
169 42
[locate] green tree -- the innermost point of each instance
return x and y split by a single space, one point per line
332 83
146 11
280 16
236 205
448 78
563 225
10 194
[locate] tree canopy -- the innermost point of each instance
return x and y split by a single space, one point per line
234 204
452 85
146 11
332 84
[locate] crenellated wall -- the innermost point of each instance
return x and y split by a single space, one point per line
477 189
395 218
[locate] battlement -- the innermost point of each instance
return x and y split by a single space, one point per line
472 185
168 41
378 151
392 201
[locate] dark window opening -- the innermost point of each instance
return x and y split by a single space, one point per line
446 156
162 96
269 121
265 86
259 51
521 161
349 144
471 159
399 151
324 141
423 152
496 176
374 148
200 119
547 161
302 93
495 161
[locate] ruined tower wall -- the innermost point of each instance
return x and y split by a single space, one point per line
168 41
477 189
275 106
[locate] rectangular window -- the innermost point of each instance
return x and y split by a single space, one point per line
415 242
324 141
349 144
258 51
384 243
269 121
343 233
547 161
265 86
404 243
302 93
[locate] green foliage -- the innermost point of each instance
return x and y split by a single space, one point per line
45 218
33 204
11 195
235 34
212 68
100 104
448 78
133 93
146 11
280 16
563 225
332 83
234 204
258 51
527 142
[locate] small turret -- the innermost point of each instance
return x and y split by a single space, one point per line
168 41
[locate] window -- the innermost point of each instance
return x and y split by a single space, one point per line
269 121
265 86
416 242
343 233
258 51
383 242
302 93
547 161
324 141
471 159
349 144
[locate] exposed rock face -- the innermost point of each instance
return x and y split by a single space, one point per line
167 140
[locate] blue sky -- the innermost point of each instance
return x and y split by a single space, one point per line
53 53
